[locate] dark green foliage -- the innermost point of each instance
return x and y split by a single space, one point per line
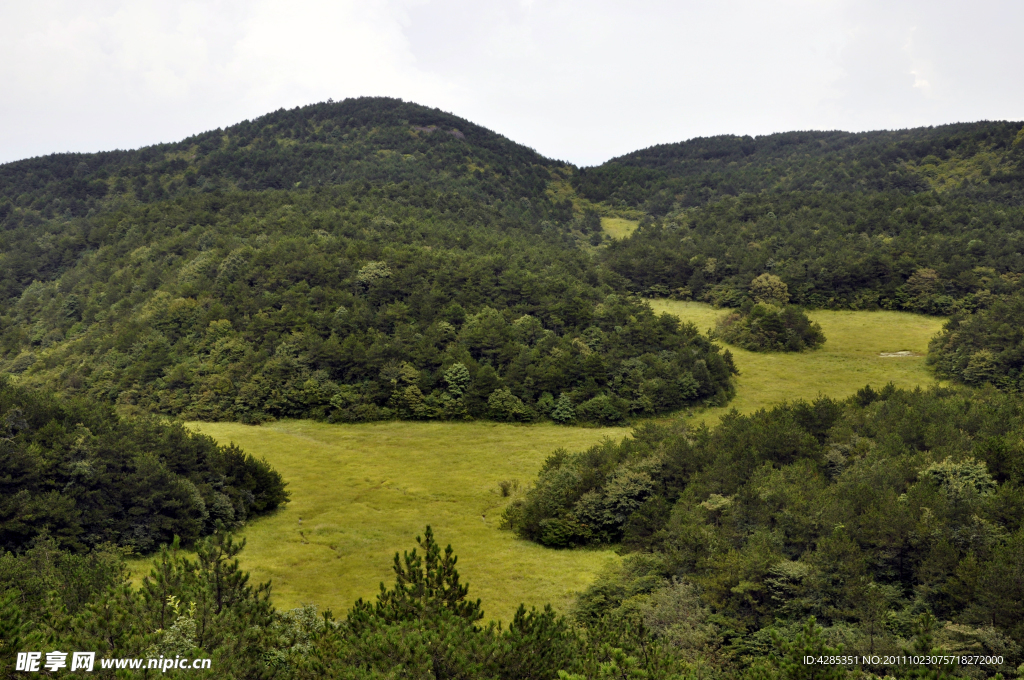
895 220
862 513
77 472
984 347
423 628
424 588
765 328
196 608
703 170
347 302
930 253
366 139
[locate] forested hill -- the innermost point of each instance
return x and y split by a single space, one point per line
353 261
983 160
366 139
928 220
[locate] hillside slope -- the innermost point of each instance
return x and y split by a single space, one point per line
928 220
353 261
980 159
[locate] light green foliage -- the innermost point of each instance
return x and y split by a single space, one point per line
960 478
563 411
617 227
372 272
502 405
769 289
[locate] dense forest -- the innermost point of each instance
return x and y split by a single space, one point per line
425 627
867 514
977 160
428 290
374 259
885 525
984 347
349 304
343 260
74 471
928 220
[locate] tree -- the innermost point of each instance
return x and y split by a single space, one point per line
770 289
563 412
424 587
503 405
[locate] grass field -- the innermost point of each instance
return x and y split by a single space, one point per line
848 360
618 227
361 492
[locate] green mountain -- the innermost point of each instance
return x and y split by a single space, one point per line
979 159
353 261
928 220
374 258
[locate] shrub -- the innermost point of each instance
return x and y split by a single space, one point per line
503 405
601 409
766 328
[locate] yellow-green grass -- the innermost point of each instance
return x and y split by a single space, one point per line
362 492
847 361
618 227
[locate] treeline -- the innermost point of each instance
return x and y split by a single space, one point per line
74 471
930 253
984 161
867 514
984 347
424 627
373 139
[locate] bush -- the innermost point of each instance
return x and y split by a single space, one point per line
505 406
766 328
601 409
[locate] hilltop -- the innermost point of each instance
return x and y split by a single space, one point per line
355 261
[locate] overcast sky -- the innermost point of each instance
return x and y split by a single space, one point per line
579 81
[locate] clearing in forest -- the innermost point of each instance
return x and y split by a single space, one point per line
852 356
618 227
361 492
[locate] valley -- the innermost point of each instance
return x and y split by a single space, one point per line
360 490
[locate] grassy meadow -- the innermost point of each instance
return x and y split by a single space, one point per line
618 227
362 492
849 359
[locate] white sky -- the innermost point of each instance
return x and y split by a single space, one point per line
580 81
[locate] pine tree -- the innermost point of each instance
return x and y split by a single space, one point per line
563 411
424 587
